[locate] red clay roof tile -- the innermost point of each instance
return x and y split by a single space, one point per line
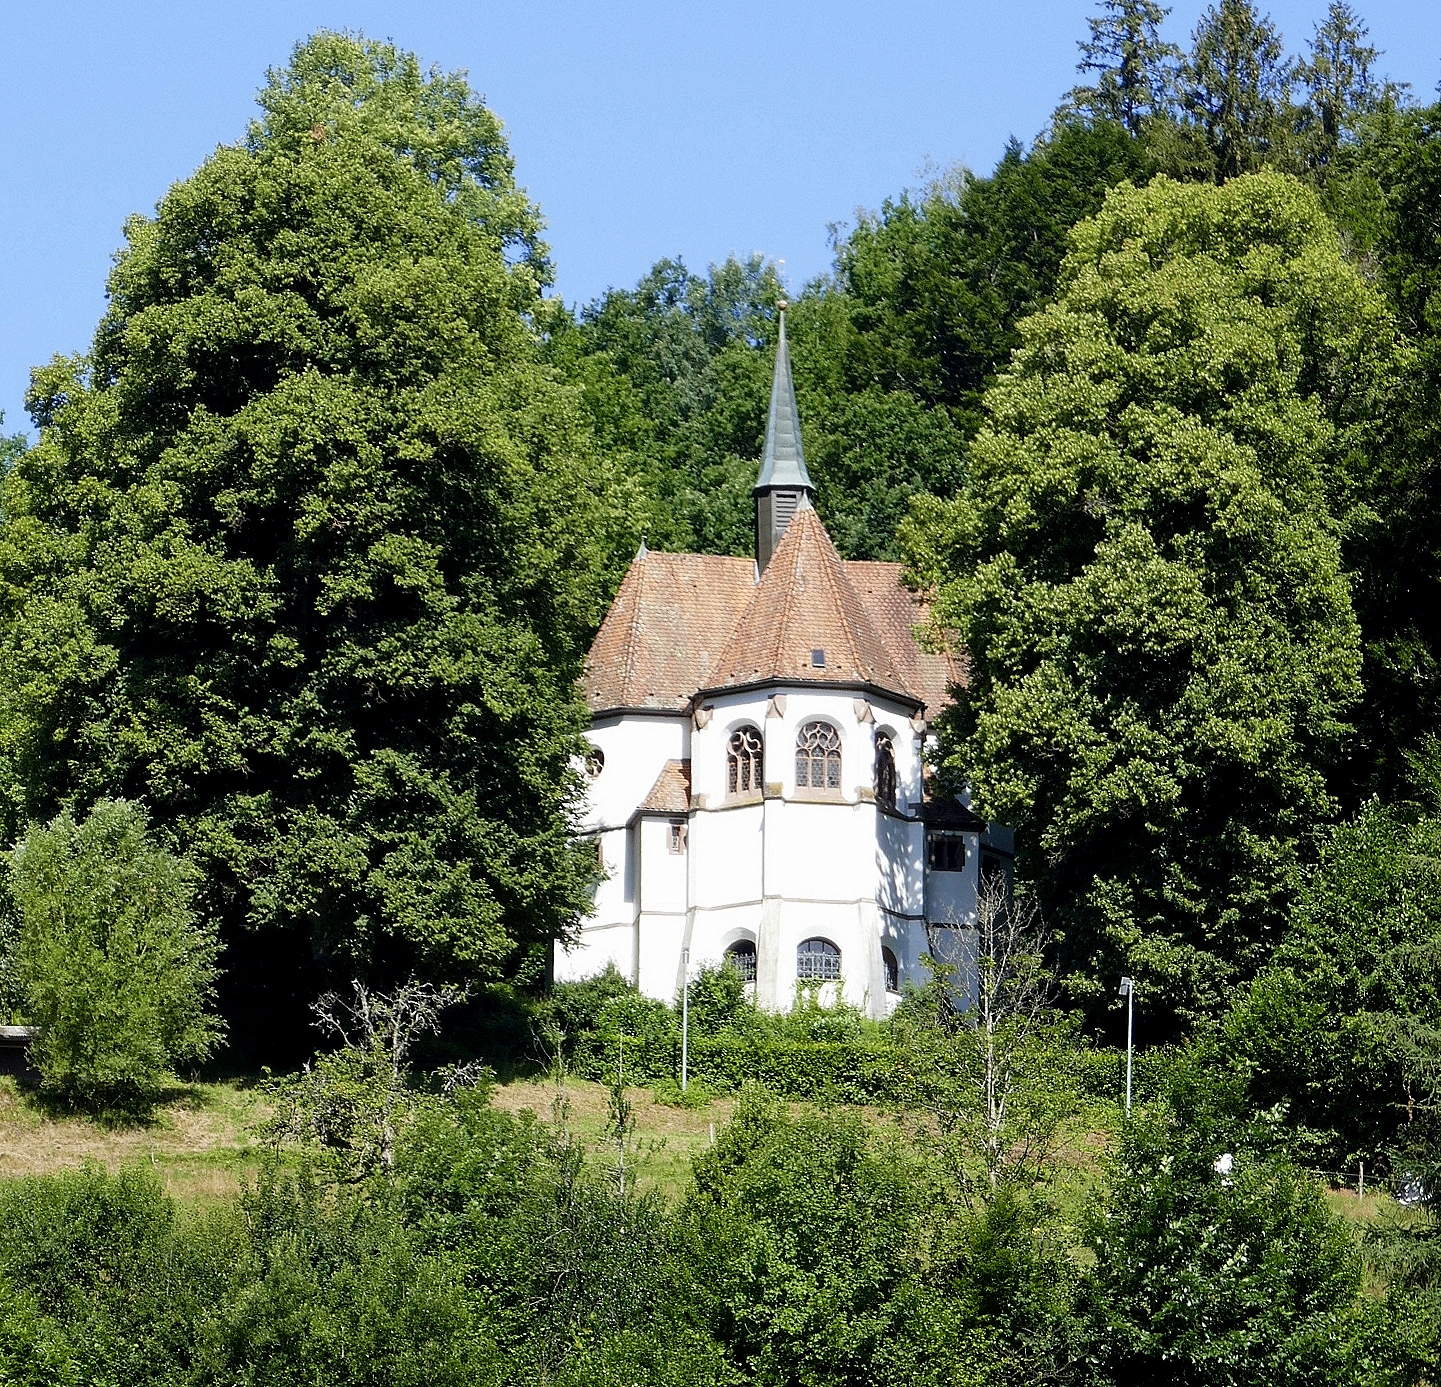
681 623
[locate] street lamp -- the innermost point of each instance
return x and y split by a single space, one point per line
1128 991
684 1015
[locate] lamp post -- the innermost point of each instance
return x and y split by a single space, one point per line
684 1016
1128 991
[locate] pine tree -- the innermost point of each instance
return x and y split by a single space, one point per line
1136 69
1340 83
1236 86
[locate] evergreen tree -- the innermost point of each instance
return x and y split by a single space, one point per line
1236 86
1340 82
311 544
1136 69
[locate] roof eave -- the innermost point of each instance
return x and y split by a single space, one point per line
839 685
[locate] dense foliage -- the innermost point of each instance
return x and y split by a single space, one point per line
1146 579
305 560
111 962
310 545
807 1248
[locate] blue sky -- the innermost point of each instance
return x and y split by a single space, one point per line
642 129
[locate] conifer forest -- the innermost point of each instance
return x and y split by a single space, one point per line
299 568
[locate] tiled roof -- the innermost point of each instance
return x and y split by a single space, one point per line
681 623
896 612
666 628
805 603
671 792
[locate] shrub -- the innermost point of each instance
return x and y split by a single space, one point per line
114 965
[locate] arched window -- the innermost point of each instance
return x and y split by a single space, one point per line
745 761
885 770
893 969
818 757
818 959
742 957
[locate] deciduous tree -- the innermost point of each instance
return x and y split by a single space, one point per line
1148 582
312 541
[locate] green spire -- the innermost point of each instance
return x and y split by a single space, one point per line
783 464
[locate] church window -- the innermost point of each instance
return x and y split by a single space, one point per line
945 852
885 770
742 957
745 761
594 762
818 757
677 837
893 969
817 960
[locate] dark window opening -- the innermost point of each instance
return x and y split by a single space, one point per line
677 837
994 876
885 771
742 957
818 960
893 970
818 757
745 761
945 852
594 762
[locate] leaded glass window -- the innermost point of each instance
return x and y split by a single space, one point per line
885 771
818 757
818 960
745 761
742 957
892 966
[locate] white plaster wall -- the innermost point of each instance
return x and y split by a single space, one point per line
900 848
776 870
951 896
661 937
712 932
727 848
636 749
598 945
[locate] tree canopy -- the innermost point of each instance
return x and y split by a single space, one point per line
1148 583
311 543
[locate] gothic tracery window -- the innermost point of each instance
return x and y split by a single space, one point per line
818 757
817 960
885 771
745 761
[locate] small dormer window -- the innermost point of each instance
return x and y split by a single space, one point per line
818 658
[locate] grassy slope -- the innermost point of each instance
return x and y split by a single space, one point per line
205 1139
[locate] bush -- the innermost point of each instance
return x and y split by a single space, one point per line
1214 1254
114 967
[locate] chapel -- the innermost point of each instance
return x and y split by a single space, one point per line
757 792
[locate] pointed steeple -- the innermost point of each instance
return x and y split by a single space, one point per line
784 461
784 485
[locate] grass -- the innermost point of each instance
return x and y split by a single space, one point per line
201 1142
205 1139
666 1138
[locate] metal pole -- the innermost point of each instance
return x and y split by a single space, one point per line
1128 991
1130 1012
684 1016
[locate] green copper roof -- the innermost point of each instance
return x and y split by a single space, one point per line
784 461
